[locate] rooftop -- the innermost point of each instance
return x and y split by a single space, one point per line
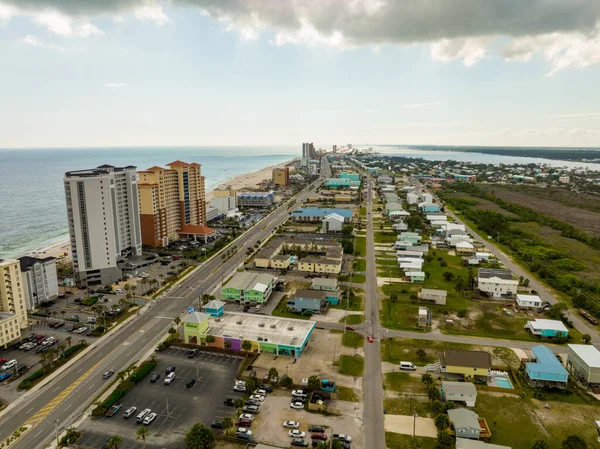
531 298
255 194
462 417
313 294
486 273
541 324
196 317
214 304
471 359
465 443
432 291
325 282
546 363
459 387
282 331
588 353
321 212
29 261
6 316
241 280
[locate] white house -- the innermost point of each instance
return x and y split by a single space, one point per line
332 223
409 254
433 295
412 198
459 392
398 214
465 248
401 226
411 265
496 282
532 302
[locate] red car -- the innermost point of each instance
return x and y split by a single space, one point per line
243 423
370 339
349 328
319 436
3 360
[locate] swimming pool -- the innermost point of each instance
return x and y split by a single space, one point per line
503 382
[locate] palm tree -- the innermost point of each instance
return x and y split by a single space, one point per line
114 441
273 373
61 348
172 333
142 433
210 339
247 346
586 338
442 422
227 423
227 344
427 379
68 340
177 321
62 312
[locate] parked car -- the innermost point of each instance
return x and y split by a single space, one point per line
169 369
299 394
229 402
370 339
299 442
253 402
192 353
169 379
251 409
108 373
257 397
140 417
129 412
3 360
8 365
149 418
5 375
191 383
118 290
342 437
243 423
154 377
216 424
247 416
319 436
245 437
267 388
22 369
239 388
295 433
243 431
291 424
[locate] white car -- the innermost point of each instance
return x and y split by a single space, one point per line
248 416
257 397
81 330
296 433
291 424
299 393
170 378
149 418
261 392
118 290
8 365
297 405
239 388
243 431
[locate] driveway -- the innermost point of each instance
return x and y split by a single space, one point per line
424 427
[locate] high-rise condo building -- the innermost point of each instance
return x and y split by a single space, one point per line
172 203
40 280
13 312
308 150
281 176
104 222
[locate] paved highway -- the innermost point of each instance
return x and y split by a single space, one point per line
374 434
61 402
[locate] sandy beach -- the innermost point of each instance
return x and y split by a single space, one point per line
246 180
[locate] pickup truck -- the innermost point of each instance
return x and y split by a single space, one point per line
342 437
113 410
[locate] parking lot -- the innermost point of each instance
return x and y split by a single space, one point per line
31 358
178 407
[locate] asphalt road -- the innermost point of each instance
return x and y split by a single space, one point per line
60 403
374 433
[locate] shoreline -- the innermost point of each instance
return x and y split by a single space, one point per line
238 182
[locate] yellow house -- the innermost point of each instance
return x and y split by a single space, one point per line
282 262
328 266
344 198
307 264
469 364
262 262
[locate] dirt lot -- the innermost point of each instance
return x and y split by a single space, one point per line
268 425
585 220
317 359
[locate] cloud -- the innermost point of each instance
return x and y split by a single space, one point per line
420 105
115 84
578 115
7 12
87 29
35 42
63 25
414 125
565 32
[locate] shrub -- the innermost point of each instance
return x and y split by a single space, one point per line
143 371
27 383
462 313
98 331
73 349
114 397
443 263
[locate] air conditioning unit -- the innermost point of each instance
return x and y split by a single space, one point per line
261 324
290 328
273 326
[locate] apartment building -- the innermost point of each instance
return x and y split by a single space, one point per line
104 222
281 176
172 202
40 280
13 308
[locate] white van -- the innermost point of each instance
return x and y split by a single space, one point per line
8 365
407 366
170 378
142 415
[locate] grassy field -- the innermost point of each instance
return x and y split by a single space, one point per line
399 315
360 265
351 365
385 237
390 271
353 340
516 421
362 213
404 383
353 319
360 246
405 349
282 310
406 406
354 304
346 394
398 441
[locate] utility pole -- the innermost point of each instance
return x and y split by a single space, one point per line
56 431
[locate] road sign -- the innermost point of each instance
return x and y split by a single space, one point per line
191 310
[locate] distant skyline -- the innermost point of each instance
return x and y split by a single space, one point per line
88 73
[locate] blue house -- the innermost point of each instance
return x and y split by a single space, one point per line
312 301
545 370
215 308
429 207
317 213
547 328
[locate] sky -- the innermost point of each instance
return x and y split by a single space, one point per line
280 72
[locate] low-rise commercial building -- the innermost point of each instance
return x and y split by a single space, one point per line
40 280
248 287
332 223
255 199
312 214
584 363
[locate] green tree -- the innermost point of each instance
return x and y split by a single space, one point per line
587 338
141 434
172 333
210 339
444 440
347 231
68 340
422 355
442 422
314 383
574 442
227 344
462 313
199 437
287 382
273 373
394 297
540 444
413 297
227 423
177 321
114 441
427 379
433 393
247 346
239 403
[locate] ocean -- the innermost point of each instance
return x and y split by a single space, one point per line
32 205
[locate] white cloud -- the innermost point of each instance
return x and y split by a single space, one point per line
55 22
470 50
578 115
153 13
7 12
420 105
118 19
87 29
413 125
115 84
35 42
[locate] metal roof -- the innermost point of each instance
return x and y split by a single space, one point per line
321 212
546 363
588 353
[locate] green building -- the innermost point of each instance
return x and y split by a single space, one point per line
247 287
195 325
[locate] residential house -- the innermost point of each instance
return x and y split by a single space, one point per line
545 370
421 248
424 317
406 254
482 256
391 196
584 363
337 183
547 328
385 180
469 364
393 206
465 423
415 276
464 248
429 207
412 198
529 302
412 237
332 223
496 283
411 265
433 296
400 226
330 285
398 215
312 301
464 443
214 308
459 392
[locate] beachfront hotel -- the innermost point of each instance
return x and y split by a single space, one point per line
104 222
13 313
40 280
172 203
281 176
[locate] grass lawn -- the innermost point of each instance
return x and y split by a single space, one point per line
398 441
405 406
516 421
405 349
353 340
346 394
360 265
387 262
282 310
399 315
404 383
362 213
351 365
385 237
388 271
353 319
356 303
357 278
360 246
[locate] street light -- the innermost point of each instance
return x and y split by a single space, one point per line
56 431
